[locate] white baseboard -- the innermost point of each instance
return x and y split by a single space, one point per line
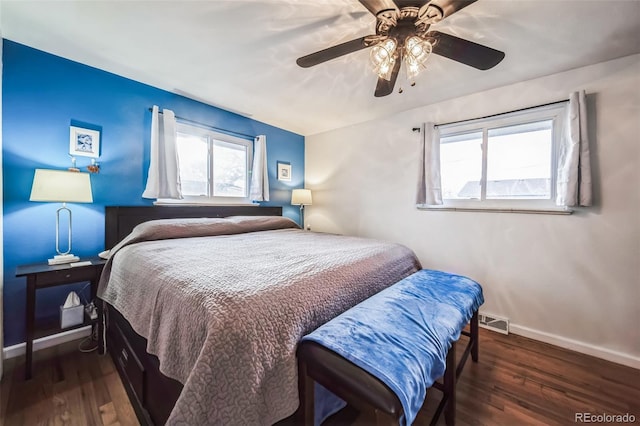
574 345
47 341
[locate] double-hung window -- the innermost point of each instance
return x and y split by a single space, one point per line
508 161
213 167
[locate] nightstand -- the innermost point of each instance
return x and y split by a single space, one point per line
42 275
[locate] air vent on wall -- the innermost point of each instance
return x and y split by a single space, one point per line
495 323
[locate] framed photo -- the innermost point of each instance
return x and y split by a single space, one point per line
284 172
84 142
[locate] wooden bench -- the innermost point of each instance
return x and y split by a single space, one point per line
417 320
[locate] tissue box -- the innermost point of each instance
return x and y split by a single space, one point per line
71 316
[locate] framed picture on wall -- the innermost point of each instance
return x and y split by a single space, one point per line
284 172
84 142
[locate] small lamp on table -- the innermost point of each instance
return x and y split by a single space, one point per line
65 187
301 197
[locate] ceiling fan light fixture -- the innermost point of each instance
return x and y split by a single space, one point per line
383 57
403 34
416 53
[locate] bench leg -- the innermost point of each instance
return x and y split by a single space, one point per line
474 337
307 398
450 387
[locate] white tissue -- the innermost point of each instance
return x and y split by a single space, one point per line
72 312
72 300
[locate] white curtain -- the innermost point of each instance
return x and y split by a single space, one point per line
259 189
163 179
574 164
429 182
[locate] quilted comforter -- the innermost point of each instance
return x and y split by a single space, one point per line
224 302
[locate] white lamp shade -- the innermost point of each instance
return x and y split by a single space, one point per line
301 197
61 186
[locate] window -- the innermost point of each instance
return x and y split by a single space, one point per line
214 167
505 161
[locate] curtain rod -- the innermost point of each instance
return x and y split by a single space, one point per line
232 132
502 113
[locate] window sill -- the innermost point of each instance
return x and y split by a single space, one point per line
200 203
521 210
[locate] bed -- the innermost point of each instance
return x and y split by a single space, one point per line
203 316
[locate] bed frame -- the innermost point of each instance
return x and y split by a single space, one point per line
152 394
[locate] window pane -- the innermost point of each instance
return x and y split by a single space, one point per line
192 153
229 170
461 165
519 161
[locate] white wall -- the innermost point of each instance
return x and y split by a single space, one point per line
568 280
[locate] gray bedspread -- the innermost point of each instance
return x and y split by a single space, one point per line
224 302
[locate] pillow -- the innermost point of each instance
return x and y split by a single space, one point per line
163 229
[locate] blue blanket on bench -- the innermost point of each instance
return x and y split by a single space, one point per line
402 334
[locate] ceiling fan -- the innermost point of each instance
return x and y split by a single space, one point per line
402 34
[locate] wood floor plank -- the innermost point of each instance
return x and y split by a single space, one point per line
67 388
13 413
5 390
101 393
517 381
90 392
108 414
578 381
64 411
124 410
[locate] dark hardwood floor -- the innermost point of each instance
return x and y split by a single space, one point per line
517 381
68 388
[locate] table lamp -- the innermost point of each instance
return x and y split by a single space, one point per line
64 187
301 197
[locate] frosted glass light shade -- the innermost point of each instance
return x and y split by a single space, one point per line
417 51
61 186
301 197
383 58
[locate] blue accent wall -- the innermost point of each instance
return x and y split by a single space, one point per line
42 96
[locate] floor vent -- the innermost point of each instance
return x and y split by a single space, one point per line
492 322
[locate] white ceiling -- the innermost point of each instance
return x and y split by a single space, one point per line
240 55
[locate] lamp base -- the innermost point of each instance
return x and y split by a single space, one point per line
63 258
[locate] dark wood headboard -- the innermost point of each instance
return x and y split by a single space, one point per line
120 221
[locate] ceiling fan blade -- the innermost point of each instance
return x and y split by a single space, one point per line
332 52
465 51
385 87
377 6
449 7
